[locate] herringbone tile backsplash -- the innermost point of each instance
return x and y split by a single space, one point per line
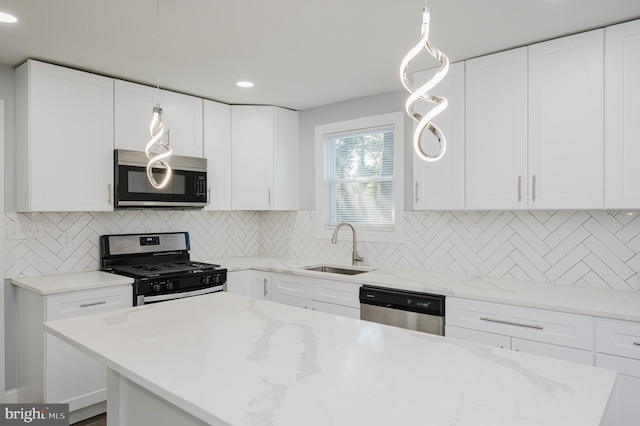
584 248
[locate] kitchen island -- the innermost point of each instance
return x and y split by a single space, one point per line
225 359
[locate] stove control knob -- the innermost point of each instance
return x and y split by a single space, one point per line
205 279
169 285
156 287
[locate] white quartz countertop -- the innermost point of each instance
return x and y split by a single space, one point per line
623 305
231 359
616 304
62 283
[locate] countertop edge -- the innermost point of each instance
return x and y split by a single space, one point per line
49 285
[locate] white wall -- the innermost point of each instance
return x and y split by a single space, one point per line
348 110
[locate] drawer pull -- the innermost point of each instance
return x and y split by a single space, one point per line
86 305
517 324
636 343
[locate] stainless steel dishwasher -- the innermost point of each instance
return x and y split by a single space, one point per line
401 308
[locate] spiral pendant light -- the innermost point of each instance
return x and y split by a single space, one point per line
423 92
156 129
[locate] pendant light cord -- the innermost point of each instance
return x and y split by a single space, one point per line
158 160
158 50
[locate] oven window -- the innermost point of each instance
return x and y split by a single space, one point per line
137 182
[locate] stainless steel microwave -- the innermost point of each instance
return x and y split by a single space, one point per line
187 188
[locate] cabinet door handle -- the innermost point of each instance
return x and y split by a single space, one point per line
264 284
533 189
517 324
86 305
109 193
269 196
636 343
417 187
519 188
168 137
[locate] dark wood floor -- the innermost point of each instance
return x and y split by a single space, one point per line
100 420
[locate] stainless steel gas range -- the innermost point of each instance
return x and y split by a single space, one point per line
160 265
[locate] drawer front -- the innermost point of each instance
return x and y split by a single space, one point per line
345 294
475 336
626 366
331 308
553 351
285 299
88 302
291 285
618 338
527 323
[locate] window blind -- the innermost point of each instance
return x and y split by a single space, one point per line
359 177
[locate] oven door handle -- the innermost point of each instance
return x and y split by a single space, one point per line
172 296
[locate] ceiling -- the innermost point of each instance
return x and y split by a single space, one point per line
299 53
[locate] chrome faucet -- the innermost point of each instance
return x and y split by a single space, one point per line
355 257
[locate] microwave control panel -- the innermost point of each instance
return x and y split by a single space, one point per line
201 185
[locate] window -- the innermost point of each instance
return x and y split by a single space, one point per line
358 178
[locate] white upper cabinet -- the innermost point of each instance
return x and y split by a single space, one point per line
566 122
64 135
496 131
264 158
622 116
181 115
217 151
439 185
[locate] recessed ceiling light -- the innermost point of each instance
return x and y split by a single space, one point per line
244 84
7 19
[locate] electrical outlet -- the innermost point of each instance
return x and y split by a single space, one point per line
14 231
39 230
33 229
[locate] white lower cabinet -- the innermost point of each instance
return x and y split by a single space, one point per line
334 297
520 345
259 285
51 371
554 334
332 308
249 283
618 348
238 282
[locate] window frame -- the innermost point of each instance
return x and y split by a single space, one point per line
369 234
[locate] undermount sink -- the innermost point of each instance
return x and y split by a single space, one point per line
337 269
